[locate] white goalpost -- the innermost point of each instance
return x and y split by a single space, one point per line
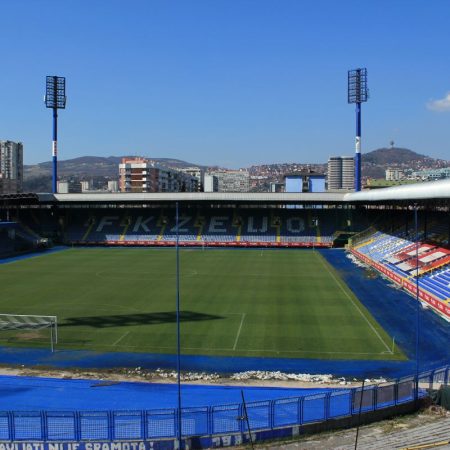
31 322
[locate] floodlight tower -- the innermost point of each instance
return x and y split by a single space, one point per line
357 93
55 98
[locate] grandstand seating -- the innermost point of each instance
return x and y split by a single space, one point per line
408 263
240 227
6 245
15 238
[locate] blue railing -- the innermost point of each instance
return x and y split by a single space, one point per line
213 420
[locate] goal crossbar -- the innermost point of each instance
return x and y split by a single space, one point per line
31 322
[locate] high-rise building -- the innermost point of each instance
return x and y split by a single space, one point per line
69 187
142 175
334 172
135 176
197 173
113 186
232 180
11 167
211 183
87 185
341 173
348 172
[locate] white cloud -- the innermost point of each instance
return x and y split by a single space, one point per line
440 105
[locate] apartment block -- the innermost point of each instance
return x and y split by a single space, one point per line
232 180
142 175
11 167
341 173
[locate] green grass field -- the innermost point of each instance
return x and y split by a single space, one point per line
234 302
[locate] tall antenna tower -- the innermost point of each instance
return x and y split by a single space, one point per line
357 93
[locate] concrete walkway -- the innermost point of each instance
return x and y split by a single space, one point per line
402 433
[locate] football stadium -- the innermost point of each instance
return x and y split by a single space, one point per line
356 285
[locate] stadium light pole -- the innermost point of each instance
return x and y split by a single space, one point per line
416 232
177 252
357 93
55 98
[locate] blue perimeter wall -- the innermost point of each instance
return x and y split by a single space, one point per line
395 310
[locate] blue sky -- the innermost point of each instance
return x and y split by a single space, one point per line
225 82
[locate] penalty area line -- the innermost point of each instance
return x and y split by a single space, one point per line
239 331
355 305
121 337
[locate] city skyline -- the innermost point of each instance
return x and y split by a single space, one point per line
225 83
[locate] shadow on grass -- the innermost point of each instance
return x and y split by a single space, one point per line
126 320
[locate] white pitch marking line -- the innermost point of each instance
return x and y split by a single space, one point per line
356 306
239 331
121 337
255 350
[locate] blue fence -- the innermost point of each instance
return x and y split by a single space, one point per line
146 425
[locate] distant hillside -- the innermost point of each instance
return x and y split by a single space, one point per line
37 177
375 163
393 155
92 165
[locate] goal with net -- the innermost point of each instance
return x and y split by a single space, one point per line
31 322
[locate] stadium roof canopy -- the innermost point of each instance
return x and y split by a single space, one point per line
420 192
219 197
432 190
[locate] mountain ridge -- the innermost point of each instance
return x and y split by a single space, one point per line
37 177
393 155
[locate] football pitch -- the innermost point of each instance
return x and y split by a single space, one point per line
259 303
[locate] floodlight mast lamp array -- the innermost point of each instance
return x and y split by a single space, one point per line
357 93
55 98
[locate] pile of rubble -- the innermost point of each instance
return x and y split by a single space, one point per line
280 376
355 260
250 375
187 376
139 373
302 377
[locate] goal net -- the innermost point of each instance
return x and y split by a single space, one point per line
31 322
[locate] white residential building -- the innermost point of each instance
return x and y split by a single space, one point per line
210 183
197 173
394 175
113 186
232 180
11 167
341 173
